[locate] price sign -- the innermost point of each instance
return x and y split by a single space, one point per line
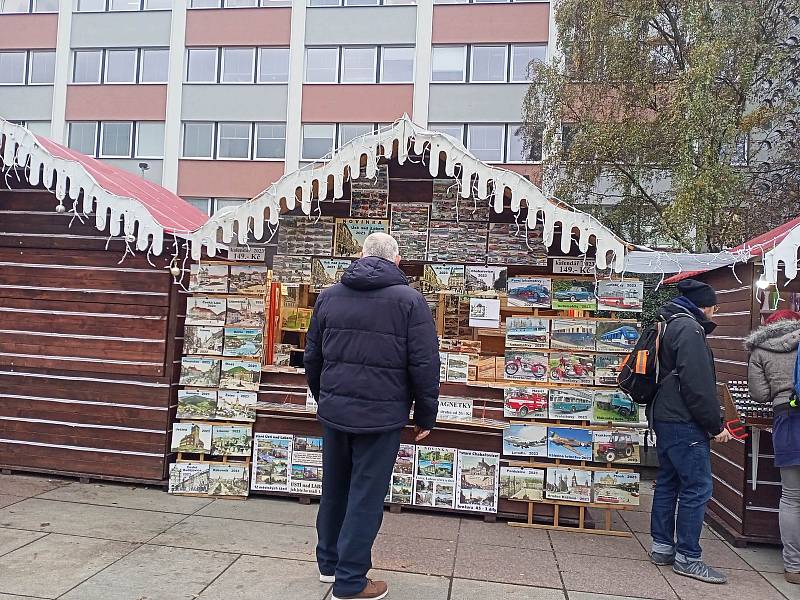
245 254
573 266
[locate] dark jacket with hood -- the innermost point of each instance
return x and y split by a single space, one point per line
372 351
773 352
688 390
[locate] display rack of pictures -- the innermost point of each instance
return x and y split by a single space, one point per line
223 348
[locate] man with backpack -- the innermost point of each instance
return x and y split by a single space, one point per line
685 413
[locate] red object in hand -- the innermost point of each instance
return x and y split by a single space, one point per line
736 428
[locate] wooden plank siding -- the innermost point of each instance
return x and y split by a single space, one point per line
87 346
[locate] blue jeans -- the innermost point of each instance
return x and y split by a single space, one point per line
684 482
356 470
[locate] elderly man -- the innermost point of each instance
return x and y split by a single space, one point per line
371 352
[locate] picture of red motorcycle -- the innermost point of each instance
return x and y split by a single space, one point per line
566 370
537 370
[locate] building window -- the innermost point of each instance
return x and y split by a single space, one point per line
488 63
203 204
361 2
43 67
204 4
238 65
397 65
234 141
516 145
120 66
240 3
91 5
12 68
486 142
83 137
41 6
359 64
273 65
115 139
149 140
318 141
455 131
448 63
324 2
155 66
270 140
350 131
198 140
221 204
119 5
42 128
322 65
88 66
14 6
157 4
522 56
201 65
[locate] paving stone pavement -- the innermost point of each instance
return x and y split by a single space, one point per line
60 539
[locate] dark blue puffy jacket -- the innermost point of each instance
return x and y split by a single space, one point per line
372 350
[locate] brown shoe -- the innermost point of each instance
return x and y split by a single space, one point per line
375 590
792 577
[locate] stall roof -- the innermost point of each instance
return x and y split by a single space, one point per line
493 184
146 209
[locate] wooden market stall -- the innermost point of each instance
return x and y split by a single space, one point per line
88 320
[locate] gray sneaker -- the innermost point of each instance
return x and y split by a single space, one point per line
662 559
697 569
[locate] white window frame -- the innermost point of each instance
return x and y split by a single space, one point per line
310 5
102 137
140 66
219 140
340 141
136 153
96 130
207 200
375 59
258 65
472 62
502 142
106 52
190 7
512 65
509 135
75 54
383 50
303 137
254 150
34 10
460 138
213 140
463 64
137 9
225 5
25 59
29 70
215 79
337 76
253 64
145 7
104 9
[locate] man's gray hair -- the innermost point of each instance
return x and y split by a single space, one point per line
381 245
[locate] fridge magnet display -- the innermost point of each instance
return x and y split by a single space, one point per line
227 480
203 340
571 443
525 402
208 277
624 296
191 437
616 446
525 366
572 334
616 487
206 311
291 269
534 292
248 279
522 483
434 480
527 332
486 280
351 233
454 408
196 404
246 311
607 367
326 272
484 312
199 372
572 485
577 294
231 440
244 341
513 244
271 460
456 242
236 406
409 226
478 474
457 368
306 472
369 196
571 368
525 440
615 406
616 336
448 205
571 404
188 478
304 235
442 278
240 375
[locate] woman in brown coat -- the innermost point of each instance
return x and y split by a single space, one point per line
773 355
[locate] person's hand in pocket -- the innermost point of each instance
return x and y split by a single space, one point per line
420 434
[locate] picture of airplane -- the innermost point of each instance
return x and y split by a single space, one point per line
569 443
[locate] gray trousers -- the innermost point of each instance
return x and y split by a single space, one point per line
790 518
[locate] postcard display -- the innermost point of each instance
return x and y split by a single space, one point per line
223 347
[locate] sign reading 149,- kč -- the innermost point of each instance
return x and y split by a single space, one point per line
573 266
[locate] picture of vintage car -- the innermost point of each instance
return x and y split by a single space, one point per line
522 402
534 293
574 294
571 404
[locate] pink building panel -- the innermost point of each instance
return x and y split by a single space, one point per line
533 171
240 27
226 178
486 23
28 31
356 103
120 102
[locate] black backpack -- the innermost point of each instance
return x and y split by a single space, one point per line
639 375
